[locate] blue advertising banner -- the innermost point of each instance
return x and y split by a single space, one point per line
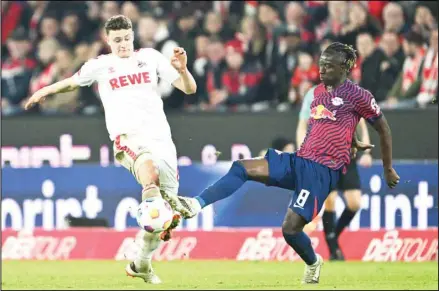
44 196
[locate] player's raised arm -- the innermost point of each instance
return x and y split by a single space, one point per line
186 82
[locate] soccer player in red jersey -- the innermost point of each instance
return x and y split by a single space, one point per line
314 170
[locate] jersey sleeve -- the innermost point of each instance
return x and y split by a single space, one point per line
87 74
164 68
305 110
367 107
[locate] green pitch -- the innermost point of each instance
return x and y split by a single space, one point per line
217 275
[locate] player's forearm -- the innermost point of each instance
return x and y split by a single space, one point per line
383 130
63 86
188 82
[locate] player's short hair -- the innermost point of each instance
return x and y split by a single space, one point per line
118 22
348 52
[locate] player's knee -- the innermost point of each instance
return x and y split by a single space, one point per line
293 223
290 228
353 200
148 173
255 169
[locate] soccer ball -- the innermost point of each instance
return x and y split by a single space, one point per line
154 215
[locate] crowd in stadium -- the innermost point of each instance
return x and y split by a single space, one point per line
244 55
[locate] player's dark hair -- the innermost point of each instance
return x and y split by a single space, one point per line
118 22
348 52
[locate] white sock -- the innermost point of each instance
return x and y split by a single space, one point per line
149 244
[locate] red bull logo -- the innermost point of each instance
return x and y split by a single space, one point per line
321 112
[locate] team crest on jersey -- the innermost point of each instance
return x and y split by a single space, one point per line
337 101
321 112
141 64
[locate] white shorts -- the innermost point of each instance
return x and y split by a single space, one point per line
134 149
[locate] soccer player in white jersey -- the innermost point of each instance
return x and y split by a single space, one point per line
135 120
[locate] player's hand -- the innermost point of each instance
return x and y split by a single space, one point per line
359 146
179 60
37 97
391 177
365 160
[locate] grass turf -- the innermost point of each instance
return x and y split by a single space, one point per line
218 275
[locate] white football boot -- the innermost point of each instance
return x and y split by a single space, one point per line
177 206
312 272
191 205
146 273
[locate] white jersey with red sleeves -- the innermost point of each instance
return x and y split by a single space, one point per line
128 90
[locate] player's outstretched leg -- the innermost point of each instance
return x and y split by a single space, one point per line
240 172
292 230
141 267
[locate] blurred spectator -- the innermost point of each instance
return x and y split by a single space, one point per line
390 65
49 27
201 46
426 93
69 35
147 36
62 68
269 16
16 73
424 21
304 77
408 82
108 9
337 18
214 26
359 21
252 35
214 70
270 34
240 81
367 67
201 43
375 9
45 72
296 19
185 32
14 15
288 61
39 8
92 19
294 16
131 10
393 16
